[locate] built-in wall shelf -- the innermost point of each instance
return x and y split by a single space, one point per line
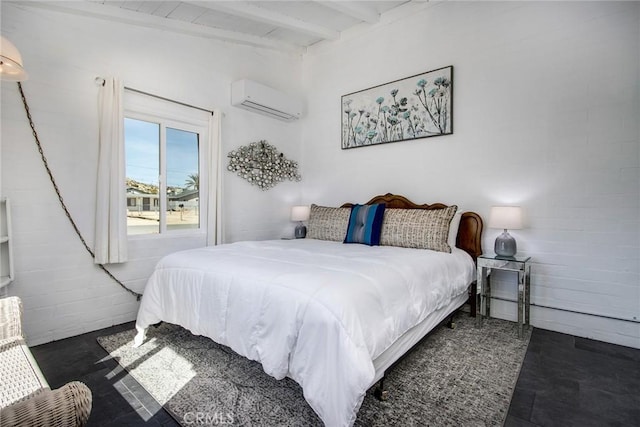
6 249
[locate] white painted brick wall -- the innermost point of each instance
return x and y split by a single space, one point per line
546 107
547 92
64 294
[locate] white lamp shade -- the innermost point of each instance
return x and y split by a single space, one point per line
300 213
11 62
506 217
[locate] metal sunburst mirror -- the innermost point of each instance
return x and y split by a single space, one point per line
262 164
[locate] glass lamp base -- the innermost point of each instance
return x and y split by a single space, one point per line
301 231
505 245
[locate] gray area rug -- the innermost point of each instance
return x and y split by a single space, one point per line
456 377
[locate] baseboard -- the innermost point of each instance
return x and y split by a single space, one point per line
579 324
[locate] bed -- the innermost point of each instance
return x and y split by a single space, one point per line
334 317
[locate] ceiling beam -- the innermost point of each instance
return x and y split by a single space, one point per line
354 9
260 14
116 14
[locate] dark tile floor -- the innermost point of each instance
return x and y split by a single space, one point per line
118 400
572 381
565 381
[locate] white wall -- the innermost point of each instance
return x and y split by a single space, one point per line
63 293
547 92
546 107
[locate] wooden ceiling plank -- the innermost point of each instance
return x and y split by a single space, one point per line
354 9
260 14
166 7
116 14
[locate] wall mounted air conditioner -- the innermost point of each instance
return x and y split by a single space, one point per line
262 99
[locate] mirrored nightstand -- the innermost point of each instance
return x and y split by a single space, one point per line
519 264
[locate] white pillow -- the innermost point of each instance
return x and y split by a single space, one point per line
453 228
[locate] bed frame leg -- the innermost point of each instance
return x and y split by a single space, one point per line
450 323
380 393
473 299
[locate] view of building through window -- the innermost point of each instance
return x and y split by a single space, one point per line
154 205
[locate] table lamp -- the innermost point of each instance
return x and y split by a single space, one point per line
505 217
300 213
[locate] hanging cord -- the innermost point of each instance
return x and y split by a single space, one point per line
64 207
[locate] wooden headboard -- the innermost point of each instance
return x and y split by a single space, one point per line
469 233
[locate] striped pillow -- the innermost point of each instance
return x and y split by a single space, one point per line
328 223
365 224
418 228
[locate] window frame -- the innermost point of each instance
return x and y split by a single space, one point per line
169 115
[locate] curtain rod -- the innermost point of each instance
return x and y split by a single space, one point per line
100 81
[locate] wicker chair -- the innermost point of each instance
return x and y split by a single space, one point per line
25 396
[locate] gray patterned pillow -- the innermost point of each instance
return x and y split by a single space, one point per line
417 228
328 223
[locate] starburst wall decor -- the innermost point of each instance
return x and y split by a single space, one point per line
261 164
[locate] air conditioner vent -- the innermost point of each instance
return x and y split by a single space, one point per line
264 100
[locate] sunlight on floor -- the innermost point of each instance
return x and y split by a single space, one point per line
162 360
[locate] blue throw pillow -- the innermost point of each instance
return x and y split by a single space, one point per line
365 224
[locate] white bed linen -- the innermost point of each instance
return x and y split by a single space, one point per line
413 336
317 311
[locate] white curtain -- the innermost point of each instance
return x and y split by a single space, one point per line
214 212
111 218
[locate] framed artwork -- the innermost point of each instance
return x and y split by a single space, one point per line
415 107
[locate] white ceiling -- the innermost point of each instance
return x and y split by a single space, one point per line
290 25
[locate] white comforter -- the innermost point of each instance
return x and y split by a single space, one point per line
317 311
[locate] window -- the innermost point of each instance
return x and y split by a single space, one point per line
164 168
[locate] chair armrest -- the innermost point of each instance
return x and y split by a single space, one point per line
10 317
69 405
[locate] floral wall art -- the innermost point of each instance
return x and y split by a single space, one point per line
262 164
415 107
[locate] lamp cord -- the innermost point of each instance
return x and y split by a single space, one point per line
62 204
